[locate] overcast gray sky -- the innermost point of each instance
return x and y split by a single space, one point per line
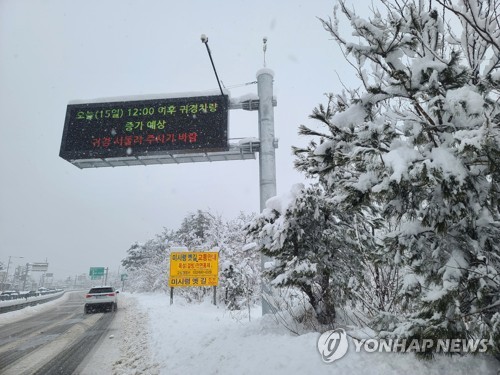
56 51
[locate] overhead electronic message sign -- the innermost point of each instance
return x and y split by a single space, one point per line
145 127
39 267
194 269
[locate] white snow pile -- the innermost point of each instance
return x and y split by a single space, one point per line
155 337
135 355
282 202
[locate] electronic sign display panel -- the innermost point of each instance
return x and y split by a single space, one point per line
39 267
145 127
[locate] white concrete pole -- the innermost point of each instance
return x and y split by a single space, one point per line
267 160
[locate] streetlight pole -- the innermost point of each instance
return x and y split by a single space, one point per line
6 277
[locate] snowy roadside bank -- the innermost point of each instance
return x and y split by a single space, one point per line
21 303
193 339
14 316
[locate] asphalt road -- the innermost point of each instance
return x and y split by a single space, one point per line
54 342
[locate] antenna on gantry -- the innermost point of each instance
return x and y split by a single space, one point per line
264 48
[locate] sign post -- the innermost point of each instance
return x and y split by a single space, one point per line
123 277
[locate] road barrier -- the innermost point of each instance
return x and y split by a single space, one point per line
13 305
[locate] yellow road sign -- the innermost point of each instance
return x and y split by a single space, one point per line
194 269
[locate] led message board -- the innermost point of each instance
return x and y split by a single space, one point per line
145 127
39 267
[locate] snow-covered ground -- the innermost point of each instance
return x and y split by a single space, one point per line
157 338
149 336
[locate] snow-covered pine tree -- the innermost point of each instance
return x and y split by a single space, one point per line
239 269
194 229
420 140
312 246
148 263
374 288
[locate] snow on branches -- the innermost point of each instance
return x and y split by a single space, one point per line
416 148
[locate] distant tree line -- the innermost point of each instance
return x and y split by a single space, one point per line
148 263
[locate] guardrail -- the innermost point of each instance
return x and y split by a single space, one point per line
13 305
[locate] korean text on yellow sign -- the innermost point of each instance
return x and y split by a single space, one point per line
194 269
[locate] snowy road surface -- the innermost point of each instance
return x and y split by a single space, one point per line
52 342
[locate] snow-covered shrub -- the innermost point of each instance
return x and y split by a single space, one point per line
304 234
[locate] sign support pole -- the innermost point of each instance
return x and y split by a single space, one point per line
25 276
267 160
